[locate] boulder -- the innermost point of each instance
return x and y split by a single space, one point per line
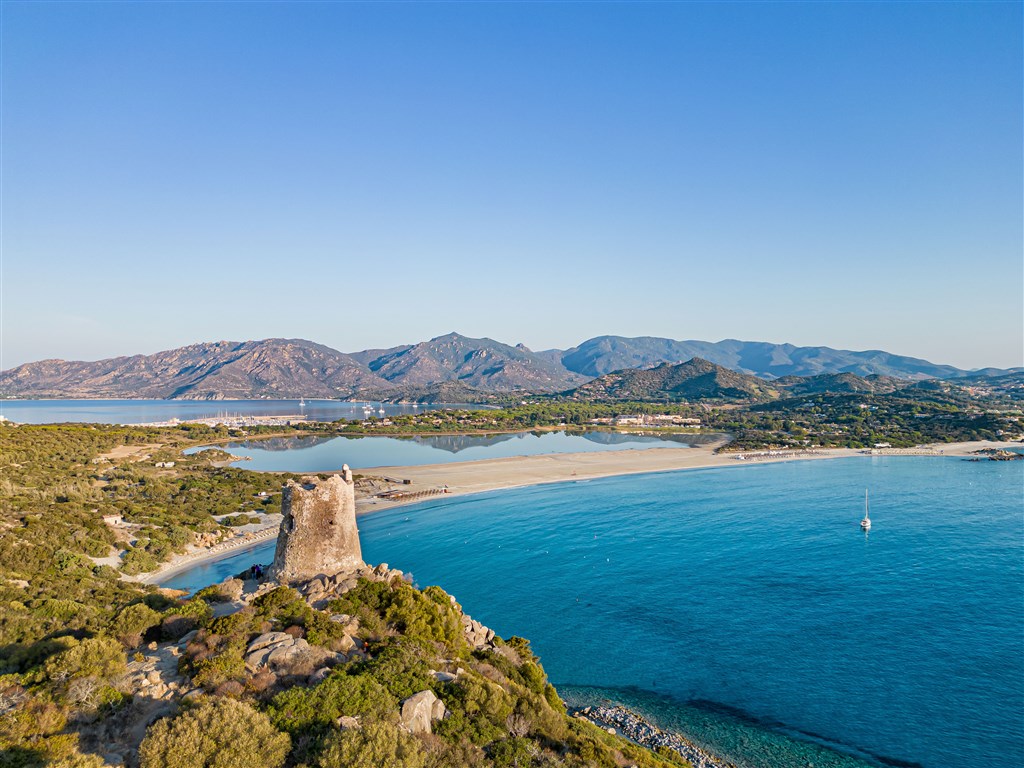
281 652
420 710
231 589
268 639
477 635
347 723
319 676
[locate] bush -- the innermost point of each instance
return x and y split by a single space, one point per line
275 599
377 745
135 620
99 657
222 733
301 710
512 753
424 618
478 710
401 669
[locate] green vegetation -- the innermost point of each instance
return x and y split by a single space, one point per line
58 483
219 733
72 625
71 630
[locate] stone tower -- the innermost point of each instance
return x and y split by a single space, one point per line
318 532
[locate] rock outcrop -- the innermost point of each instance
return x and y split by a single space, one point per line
477 635
280 652
318 530
420 710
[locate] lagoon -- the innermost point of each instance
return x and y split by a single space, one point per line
327 454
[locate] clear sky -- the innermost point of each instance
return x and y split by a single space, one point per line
368 175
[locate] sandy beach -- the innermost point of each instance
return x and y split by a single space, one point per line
469 477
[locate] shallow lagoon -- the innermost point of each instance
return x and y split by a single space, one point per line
318 454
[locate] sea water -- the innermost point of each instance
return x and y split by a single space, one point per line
745 607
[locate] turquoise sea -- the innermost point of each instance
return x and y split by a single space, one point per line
744 606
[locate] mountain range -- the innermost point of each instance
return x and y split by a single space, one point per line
455 366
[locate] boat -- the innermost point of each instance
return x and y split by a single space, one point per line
302 403
865 524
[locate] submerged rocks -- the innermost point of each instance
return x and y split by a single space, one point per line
635 728
420 710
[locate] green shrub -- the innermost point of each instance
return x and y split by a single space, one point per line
512 753
478 710
222 733
99 657
135 619
375 745
195 608
401 669
424 618
226 664
314 710
269 603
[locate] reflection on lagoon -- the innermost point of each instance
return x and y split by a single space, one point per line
320 454
149 411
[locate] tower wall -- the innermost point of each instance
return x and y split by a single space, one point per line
318 531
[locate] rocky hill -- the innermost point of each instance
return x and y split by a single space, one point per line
273 368
696 379
838 383
479 363
605 354
449 368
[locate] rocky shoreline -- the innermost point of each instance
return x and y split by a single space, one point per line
635 728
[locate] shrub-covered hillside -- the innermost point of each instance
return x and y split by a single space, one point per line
378 674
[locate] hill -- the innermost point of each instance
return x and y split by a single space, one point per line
449 368
273 368
605 354
446 367
838 382
355 668
479 363
696 379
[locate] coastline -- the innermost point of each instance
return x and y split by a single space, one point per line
473 477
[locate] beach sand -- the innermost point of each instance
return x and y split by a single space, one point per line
468 477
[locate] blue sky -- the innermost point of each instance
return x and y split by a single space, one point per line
367 175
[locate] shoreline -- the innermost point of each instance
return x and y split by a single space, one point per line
487 475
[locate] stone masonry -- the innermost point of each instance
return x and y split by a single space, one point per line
318 530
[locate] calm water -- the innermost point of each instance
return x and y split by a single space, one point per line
146 411
314 454
745 607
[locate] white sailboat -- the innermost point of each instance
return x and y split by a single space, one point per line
865 524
